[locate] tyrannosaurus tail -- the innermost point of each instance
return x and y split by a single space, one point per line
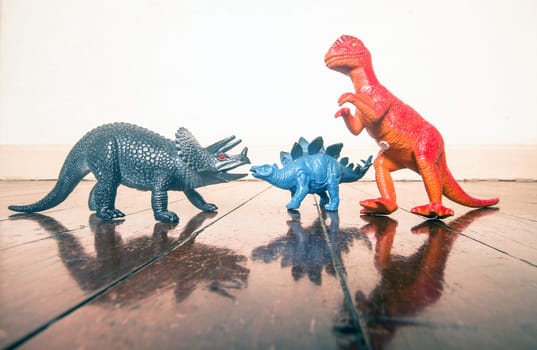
73 171
452 190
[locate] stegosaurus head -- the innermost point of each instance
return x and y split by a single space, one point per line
263 172
346 54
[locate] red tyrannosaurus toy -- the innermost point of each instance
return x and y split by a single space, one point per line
405 138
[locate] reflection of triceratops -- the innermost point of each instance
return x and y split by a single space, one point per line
182 262
309 168
127 154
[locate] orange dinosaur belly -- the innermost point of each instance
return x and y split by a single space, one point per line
399 134
400 155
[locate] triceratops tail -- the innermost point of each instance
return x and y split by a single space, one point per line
353 173
73 171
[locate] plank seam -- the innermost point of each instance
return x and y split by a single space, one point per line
356 317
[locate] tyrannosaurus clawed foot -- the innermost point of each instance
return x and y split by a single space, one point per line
433 211
378 206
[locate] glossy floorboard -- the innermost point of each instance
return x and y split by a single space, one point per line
255 276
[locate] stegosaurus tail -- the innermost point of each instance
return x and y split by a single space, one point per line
353 173
303 148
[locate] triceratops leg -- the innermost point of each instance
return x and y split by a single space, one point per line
91 200
197 200
102 200
159 203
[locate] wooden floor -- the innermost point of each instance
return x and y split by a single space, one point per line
255 276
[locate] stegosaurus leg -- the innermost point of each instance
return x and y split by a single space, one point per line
300 192
324 199
333 192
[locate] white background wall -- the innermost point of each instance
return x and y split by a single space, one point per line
255 68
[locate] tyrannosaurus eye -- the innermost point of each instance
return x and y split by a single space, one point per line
221 156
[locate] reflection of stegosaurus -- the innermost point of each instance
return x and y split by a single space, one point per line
309 168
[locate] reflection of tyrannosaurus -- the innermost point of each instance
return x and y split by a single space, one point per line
405 138
408 284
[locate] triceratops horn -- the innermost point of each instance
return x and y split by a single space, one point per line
244 151
230 145
219 145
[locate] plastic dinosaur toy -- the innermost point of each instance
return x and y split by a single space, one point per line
309 168
406 140
130 155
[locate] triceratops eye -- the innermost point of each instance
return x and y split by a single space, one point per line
221 156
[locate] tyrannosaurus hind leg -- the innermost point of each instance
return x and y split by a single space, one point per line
387 202
432 179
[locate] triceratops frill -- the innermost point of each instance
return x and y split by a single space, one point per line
310 168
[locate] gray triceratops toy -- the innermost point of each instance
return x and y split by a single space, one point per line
133 156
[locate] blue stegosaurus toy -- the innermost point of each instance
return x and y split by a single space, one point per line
310 168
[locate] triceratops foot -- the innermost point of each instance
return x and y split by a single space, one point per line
378 206
432 211
166 216
109 213
208 207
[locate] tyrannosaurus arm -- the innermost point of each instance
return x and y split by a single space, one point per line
371 109
353 122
